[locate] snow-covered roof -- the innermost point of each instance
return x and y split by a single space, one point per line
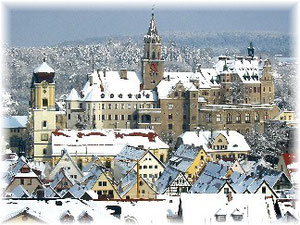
20 192
59 176
110 86
43 68
104 142
50 212
249 70
14 122
73 96
166 178
236 141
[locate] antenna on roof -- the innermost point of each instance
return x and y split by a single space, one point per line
153 11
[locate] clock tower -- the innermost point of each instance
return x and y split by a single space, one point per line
152 61
43 110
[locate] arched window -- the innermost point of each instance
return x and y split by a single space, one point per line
229 118
266 116
218 118
238 118
247 118
256 118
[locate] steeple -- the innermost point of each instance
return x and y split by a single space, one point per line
152 61
152 34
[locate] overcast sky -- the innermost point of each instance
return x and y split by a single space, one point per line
39 27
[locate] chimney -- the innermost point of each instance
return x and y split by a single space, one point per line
123 74
229 196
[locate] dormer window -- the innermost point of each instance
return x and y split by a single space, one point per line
147 95
139 95
102 95
111 95
120 96
129 95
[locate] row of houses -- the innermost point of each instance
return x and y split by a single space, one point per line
139 174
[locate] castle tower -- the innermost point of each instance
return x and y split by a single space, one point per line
152 61
267 84
43 110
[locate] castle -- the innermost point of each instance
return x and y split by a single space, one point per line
235 94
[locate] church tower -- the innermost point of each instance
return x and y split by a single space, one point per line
152 61
43 110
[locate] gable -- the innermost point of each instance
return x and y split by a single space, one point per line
180 181
220 139
67 162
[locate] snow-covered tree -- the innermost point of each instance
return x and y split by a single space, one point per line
237 92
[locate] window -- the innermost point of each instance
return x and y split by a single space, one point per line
44 151
116 106
129 95
122 106
256 117
22 181
116 117
103 117
209 118
218 118
109 106
128 106
122 117
69 105
263 190
102 95
109 117
44 123
229 118
237 217
45 102
145 175
120 96
170 116
247 118
238 118
111 95
170 126
170 106
103 106
104 183
221 218
69 116
129 117
155 167
44 137
150 167
100 183
270 89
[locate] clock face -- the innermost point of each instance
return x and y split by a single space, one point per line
44 84
153 67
